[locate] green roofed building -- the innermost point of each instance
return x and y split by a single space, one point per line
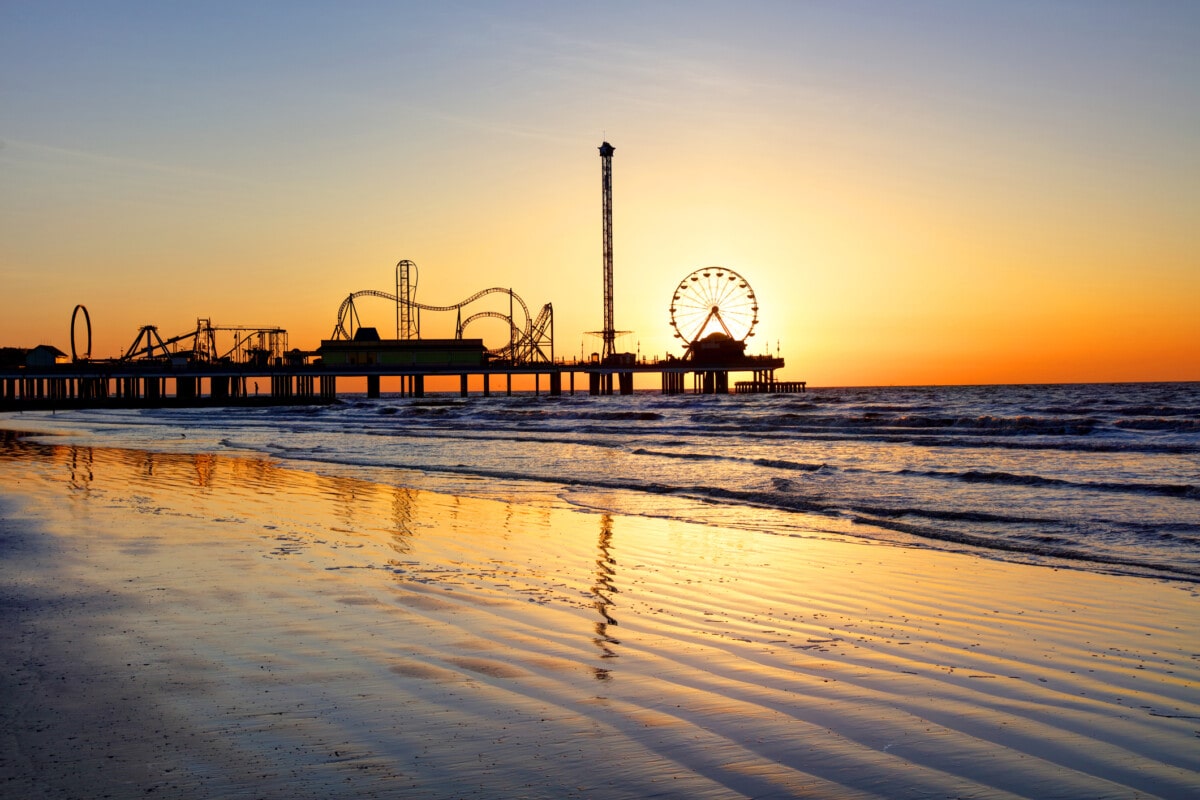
367 349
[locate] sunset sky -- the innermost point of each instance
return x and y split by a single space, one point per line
919 192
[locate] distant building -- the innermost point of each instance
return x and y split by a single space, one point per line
13 357
717 348
367 335
298 358
45 355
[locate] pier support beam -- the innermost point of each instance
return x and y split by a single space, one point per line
712 382
186 389
373 386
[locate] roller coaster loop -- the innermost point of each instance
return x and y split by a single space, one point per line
526 339
87 318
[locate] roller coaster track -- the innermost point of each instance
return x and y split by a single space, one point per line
526 340
149 345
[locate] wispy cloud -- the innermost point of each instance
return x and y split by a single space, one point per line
49 156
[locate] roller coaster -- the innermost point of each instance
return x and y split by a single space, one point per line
254 345
259 346
531 339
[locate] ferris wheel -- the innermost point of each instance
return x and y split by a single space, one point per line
714 300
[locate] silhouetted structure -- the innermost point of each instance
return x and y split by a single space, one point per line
609 333
46 355
713 310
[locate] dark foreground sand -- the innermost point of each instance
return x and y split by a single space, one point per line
199 626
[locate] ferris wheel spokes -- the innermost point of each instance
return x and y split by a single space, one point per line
714 300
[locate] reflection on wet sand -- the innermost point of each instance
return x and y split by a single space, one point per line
353 501
204 463
80 460
603 587
324 635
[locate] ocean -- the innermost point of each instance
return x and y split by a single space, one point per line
1103 478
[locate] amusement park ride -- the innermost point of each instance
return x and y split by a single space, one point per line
530 341
713 311
251 344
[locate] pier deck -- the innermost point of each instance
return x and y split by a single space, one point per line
140 383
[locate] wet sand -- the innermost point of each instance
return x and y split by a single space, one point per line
200 626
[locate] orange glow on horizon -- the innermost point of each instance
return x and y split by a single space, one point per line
930 212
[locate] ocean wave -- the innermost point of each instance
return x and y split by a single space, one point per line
1042 426
769 463
1015 534
1067 550
1159 410
1119 462
1159 424
682 456
775 463
1010 479
618 416
960 439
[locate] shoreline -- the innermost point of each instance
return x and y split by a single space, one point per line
201 623
873 529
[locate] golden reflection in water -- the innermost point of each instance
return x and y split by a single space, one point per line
345 495
352 500
403 502
603 588
79 462
205 465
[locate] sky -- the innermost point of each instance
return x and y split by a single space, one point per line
918 192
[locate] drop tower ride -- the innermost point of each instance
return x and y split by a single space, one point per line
609 333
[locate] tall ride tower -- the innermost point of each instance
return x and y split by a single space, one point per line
406 286
609 334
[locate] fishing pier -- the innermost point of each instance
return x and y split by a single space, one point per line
117 384
713 312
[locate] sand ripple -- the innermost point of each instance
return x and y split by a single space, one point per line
228 624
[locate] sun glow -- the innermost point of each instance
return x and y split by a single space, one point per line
922 216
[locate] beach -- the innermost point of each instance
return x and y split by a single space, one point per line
196 625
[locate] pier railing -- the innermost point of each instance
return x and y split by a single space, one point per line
770 387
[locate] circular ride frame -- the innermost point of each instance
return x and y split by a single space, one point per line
713 300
